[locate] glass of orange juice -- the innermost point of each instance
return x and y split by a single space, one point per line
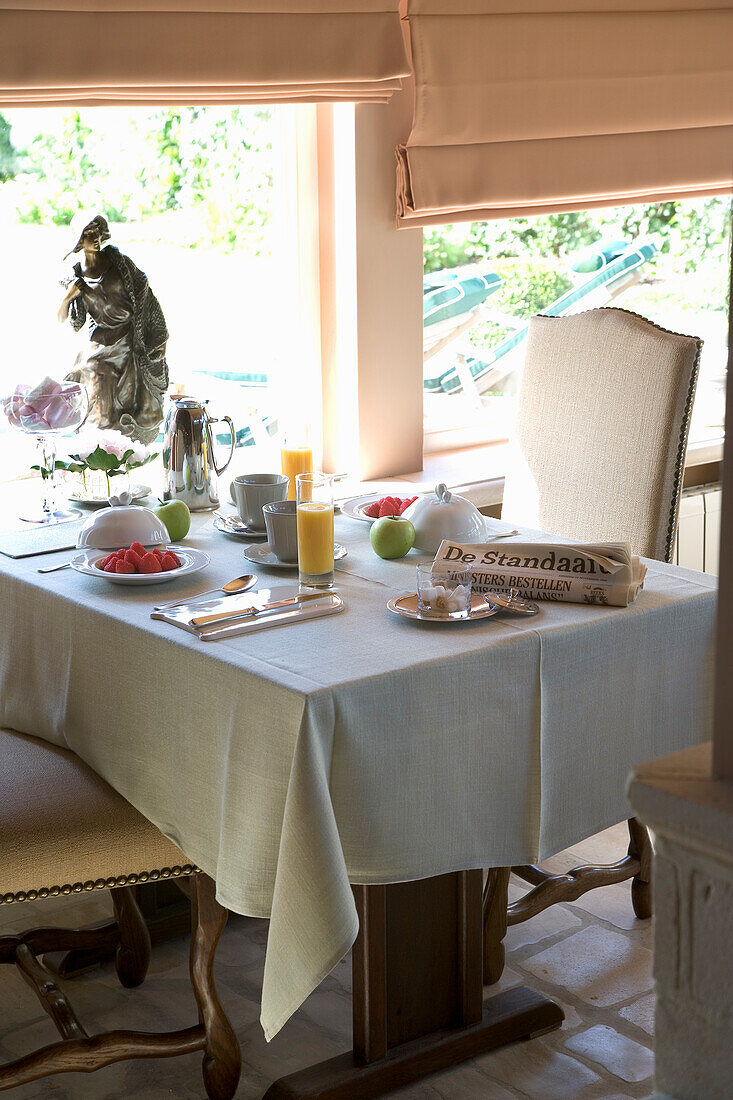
295 460
314 510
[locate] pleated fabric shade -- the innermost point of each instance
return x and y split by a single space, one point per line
199 51
539 106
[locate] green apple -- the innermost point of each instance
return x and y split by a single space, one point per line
176 517
392 536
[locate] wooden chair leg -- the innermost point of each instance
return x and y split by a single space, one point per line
132 957
496 897
222 1057
640 847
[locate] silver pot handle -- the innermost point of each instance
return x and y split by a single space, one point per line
226 420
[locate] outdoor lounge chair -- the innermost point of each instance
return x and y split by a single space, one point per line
450 306
614 266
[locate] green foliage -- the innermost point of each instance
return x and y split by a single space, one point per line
8 155
45 471
551 235
695 231
529 286
207 170
447 246
104 461
58 176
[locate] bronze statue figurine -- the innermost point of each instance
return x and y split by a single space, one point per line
123 367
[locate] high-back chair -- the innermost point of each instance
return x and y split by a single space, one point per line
598 454
63 830
602 423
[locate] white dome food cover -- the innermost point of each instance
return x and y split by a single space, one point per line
120 525
445 515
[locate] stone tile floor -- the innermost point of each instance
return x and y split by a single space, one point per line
593 957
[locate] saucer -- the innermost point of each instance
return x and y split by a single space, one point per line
407 605
139 492
237 528
512 603
263 555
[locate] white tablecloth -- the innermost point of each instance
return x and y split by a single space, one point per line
358 748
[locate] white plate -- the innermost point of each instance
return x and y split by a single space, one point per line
356 505
263 555
139 492
191 562
407 605
238 529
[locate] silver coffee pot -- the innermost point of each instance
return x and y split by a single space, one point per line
188 454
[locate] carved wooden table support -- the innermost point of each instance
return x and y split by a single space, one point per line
418 993
549 889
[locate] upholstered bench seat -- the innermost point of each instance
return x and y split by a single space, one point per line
63 829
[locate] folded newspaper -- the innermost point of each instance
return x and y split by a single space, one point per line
603 572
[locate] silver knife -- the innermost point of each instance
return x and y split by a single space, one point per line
248 612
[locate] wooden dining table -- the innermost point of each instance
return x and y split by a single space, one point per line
349 777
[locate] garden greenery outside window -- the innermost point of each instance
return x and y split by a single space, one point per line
200 199
482 281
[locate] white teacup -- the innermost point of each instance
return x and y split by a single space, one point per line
251 491
281 522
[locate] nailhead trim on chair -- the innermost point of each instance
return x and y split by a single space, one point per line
681 452
686 416
99 884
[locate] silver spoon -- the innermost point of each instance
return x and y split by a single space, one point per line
53 568
239 584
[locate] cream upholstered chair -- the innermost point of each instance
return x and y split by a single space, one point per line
63 830
600 439
602 422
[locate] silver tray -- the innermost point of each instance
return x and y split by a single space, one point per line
329 603
407 606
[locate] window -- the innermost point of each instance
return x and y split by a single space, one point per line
204 201
483 280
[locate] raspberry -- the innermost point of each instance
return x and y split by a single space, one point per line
388 508
138 548
134 558
373 510
158 552
170 561
121 553
122 566
150 564
111 566
405 505
104 562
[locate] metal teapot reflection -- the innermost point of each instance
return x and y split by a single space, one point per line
188 454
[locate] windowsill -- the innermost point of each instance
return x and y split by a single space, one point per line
478 472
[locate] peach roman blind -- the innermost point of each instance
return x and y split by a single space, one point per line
535 106
198 51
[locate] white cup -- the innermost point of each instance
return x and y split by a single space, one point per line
251 491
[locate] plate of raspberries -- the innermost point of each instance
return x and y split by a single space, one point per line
371 507
137 564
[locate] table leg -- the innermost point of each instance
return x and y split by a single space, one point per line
496 899
418 993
